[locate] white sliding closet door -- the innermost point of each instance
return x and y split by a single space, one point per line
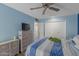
38 30
56 29
41 30
35 31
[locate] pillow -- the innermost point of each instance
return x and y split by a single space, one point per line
55 39
76 46
76 40
73 42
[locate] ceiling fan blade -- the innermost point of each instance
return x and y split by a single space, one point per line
48 4
44 11
35 8
53 8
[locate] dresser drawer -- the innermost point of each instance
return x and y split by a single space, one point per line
4 47
4 50
4 53
15 44
14 51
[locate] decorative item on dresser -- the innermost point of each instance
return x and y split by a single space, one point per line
9 48
25 37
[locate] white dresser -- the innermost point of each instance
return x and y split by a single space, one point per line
9 48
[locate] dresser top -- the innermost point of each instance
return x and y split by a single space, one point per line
7 41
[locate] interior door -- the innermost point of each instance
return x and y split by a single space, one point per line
55 29
35 31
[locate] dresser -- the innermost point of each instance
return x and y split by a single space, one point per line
26 38
9 48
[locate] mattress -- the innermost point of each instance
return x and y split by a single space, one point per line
45 47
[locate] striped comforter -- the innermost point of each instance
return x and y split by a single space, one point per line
44 47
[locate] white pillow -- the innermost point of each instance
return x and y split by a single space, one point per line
76 40
76 46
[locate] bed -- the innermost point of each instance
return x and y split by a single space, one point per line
45 47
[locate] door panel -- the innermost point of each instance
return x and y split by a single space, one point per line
56 29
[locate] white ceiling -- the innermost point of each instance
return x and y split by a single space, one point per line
65 9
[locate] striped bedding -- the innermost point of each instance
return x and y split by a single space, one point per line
44 47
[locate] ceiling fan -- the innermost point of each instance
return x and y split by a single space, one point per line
46 6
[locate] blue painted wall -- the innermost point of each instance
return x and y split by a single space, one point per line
71 24
10 22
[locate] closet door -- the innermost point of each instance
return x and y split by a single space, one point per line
41 30
55 29
36 31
